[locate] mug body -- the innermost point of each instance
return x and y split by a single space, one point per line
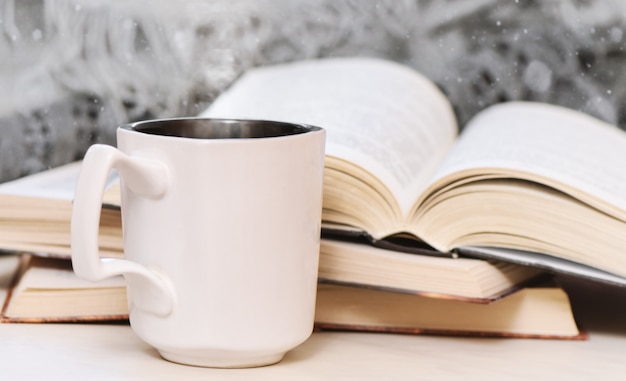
236 234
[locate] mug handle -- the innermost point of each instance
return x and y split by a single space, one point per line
142 176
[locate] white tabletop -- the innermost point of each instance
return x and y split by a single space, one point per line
91 352
113 352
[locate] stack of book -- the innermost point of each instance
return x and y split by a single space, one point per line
426 229
35 214
362 287
526 183
366 288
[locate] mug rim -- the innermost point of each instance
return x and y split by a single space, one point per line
296 128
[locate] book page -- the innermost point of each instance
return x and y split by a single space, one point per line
46 273
380 115
56 183
551 143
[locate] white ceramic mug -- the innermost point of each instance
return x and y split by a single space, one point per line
221 222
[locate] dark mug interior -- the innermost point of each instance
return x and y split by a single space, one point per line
211 128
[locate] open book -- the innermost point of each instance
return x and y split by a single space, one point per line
523 176
35 214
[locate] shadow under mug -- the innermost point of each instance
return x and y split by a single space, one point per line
221 223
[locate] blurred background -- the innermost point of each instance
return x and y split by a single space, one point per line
73 70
